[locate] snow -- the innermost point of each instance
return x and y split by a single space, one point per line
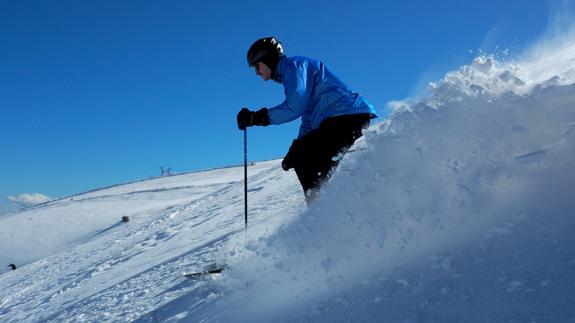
459 207
77 261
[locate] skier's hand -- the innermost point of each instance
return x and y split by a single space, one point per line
289 160
247 118
286 165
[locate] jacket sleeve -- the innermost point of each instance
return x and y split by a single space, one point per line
297 94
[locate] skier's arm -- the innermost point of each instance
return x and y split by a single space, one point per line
297 95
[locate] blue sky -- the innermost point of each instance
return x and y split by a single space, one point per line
94 93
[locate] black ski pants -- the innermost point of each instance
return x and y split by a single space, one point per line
316 155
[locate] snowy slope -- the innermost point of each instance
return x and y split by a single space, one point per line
77 261
461 208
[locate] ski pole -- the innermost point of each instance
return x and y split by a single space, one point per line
246 177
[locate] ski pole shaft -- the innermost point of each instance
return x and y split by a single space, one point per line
246 177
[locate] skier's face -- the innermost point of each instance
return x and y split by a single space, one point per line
263 70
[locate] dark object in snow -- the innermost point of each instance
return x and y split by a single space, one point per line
211 269
12 266
125 219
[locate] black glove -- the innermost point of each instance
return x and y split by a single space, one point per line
286 165
247 118
289 160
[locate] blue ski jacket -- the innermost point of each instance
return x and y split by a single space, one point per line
314 94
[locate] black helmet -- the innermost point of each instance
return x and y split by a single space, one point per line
267 50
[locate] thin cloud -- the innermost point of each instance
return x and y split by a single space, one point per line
29 199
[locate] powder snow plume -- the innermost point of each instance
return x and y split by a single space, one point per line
462 202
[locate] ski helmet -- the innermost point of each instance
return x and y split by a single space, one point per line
267 50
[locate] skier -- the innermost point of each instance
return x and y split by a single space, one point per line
332 116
